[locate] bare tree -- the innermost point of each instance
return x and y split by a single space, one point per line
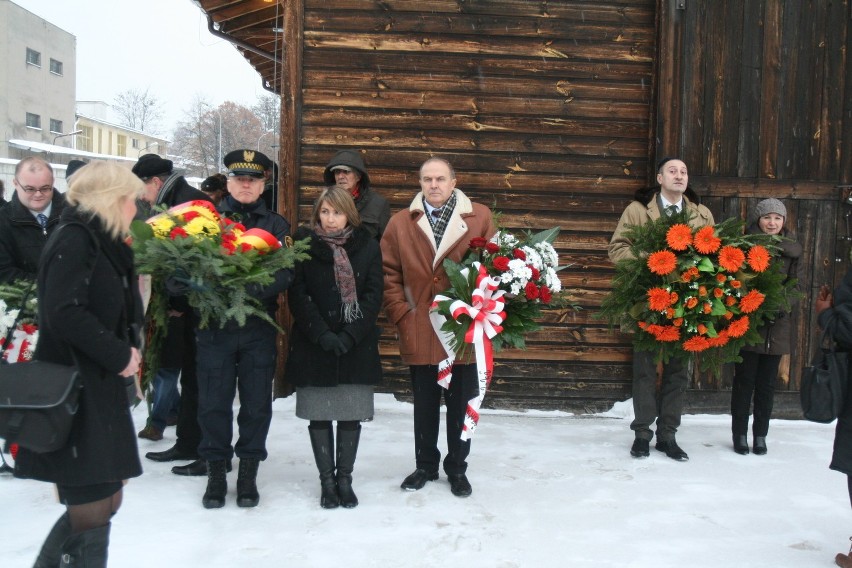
139 109
207 133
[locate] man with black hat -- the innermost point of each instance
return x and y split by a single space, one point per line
346 169
166 188
215 186
72 167
240 357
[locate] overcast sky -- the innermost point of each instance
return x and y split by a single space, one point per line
161 44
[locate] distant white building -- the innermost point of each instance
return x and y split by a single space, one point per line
101 135
38 77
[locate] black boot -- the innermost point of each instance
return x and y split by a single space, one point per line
759 445
51 550
322 442
217 485
741 444
247 495
347 449
88 549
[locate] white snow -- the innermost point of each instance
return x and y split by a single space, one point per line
550 489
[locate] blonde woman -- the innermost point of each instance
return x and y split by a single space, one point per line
90 314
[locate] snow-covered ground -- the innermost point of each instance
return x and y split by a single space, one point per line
549 490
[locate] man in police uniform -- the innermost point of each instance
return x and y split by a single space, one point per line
240 357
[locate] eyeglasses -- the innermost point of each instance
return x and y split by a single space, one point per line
30 190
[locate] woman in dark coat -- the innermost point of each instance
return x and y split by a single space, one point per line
755 376
334 354
90 315
835 317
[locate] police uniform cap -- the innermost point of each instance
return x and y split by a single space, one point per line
247 163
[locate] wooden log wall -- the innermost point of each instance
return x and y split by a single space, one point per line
755 97
544 109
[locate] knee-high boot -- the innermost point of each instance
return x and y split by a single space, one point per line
88 549
322 442
48 556
347 449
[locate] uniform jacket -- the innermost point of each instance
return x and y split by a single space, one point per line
837 321
89 306
316 306
776 334
22 238
414 271
372 207
257 216
639 212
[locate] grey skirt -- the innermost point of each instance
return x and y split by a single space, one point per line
343 402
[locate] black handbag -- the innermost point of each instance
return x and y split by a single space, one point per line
38 401
824 384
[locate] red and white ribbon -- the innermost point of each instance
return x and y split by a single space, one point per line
486 310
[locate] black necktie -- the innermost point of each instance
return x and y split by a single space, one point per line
671 210
436 213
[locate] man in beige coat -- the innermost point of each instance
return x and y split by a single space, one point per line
439 224
673 178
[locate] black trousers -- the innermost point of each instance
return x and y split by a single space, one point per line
754 377
229 360
427 416
666 408
187 430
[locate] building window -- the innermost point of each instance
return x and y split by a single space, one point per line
135 143
33 57
85 138
33 120
55 67
121 144
56 126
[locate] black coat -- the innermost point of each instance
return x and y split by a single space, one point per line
316 307
776 334
22 238
89 305
257 216
372 207
837 321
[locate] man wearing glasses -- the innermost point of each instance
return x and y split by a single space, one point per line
32 214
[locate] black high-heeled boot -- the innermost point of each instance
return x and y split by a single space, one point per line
741 445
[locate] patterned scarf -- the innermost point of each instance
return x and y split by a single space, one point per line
344 276
439 223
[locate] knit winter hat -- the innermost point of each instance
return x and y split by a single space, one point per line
768 206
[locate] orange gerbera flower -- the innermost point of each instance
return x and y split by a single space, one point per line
731 258
690 274
662 262
738 327
758 258
669 333
679 237
691 303
696 344
719 340
706 241
659 299
718 292
751 301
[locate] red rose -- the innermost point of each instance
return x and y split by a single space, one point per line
531 291
177 232
519 254
190 215
477 243
492 247
535 272
546 296
501 263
